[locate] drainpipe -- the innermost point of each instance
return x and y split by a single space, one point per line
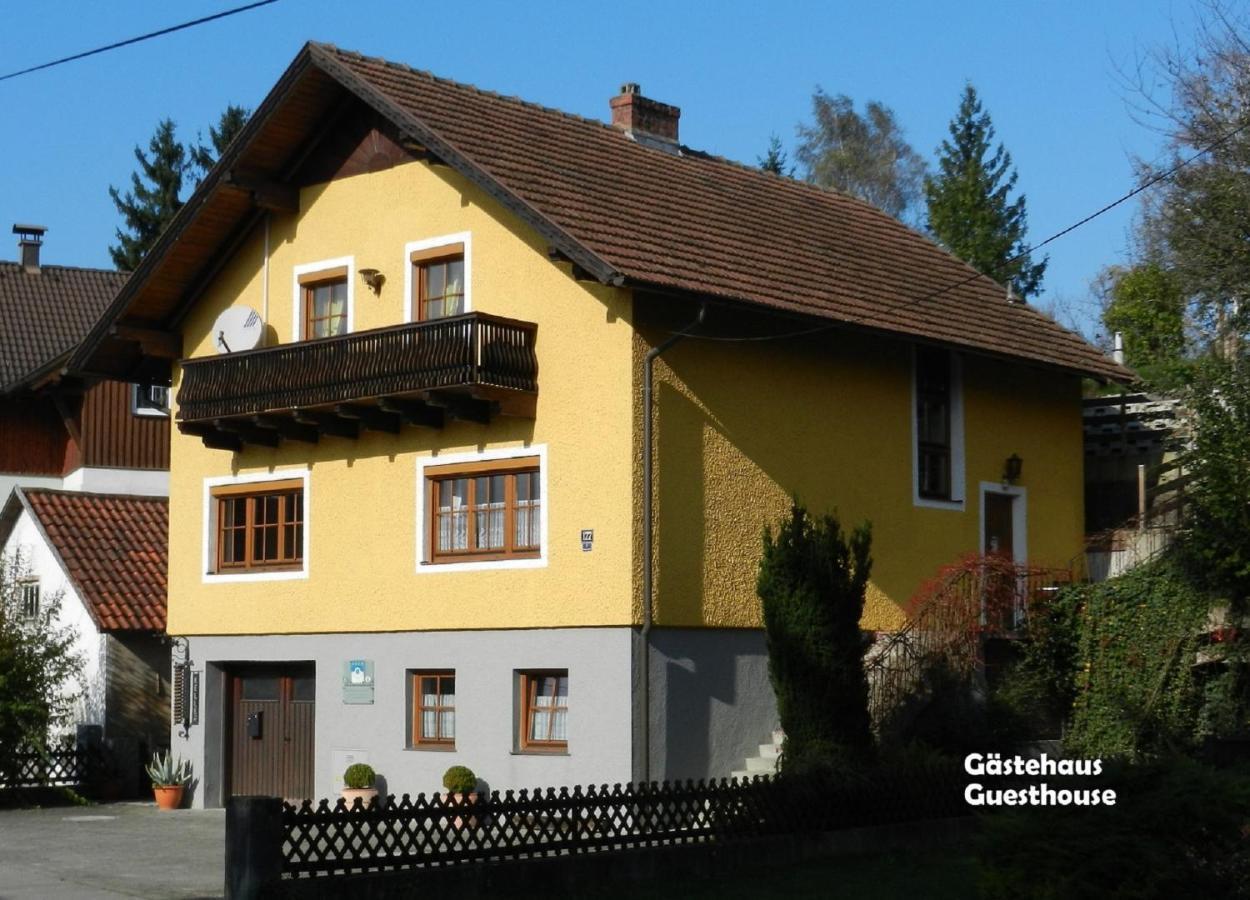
648 515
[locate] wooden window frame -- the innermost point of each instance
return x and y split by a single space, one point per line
527 686
420 260
251 492
509 468
308 284
924 393
417 740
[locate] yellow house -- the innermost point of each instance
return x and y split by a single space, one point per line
417 333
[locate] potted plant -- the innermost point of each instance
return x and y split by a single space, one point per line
169 779
358 782
461 783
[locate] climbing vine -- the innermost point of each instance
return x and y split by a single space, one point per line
1139 636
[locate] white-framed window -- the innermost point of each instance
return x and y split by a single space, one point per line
483 510
323 298
438 278
149 400
256 526
29 599
937 416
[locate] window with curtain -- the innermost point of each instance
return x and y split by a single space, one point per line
325 308
440 286
545 710
486 511
434 709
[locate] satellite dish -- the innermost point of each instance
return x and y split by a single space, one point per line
238 328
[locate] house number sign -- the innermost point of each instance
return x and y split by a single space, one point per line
588 539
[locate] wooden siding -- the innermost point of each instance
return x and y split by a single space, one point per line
113 436
33 439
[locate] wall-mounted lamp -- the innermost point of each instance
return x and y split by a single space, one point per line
1012 468
374 279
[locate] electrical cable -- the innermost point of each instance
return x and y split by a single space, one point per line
136 40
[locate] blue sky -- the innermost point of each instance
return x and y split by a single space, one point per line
1047 73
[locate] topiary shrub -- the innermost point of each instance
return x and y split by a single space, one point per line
811 582
460 780
359 776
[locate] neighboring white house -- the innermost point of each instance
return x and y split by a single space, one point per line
105 555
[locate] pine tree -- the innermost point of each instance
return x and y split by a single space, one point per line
970 212
152 200
205 156
812 582
775 160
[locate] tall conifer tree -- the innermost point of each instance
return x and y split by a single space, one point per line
152 200
970 210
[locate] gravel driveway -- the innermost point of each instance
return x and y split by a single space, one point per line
109 851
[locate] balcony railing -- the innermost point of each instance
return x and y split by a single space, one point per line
468 366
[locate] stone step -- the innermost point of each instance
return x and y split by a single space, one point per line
761 765
770 751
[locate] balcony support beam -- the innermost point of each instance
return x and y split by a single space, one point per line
370 417
465 409
422 415
288 429
211 436
328 423
248 433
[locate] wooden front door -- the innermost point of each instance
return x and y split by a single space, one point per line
271 731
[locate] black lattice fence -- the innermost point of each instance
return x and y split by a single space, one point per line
442 831
35 769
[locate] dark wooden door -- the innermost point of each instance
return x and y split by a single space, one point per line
999 539
271 731
1001 601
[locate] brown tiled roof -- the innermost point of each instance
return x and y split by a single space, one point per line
44 316
699 223
625 213
113 547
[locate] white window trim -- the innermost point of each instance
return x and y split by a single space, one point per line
1019 519
209 535
958 476
297 292
445 240
424 566
137 410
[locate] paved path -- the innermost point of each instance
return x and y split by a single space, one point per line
110 851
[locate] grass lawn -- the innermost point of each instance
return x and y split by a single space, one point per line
933 875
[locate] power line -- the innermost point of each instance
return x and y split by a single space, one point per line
1148 183
136 40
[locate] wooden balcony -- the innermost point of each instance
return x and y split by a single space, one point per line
470 367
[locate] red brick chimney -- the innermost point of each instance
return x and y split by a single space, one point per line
638 116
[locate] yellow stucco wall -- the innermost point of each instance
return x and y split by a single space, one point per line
363 494
742 427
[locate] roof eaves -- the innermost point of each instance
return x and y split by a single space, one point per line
189 210
326 58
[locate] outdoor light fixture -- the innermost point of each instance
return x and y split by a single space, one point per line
1012 469
374 279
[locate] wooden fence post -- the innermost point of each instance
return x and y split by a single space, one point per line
254 835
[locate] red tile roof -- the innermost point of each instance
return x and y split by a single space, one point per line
44 316
114 548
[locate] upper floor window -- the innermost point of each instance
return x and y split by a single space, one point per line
260 527
28 598
933 423
439 280
149 400
325 305
486 510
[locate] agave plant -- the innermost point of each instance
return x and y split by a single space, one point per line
168 771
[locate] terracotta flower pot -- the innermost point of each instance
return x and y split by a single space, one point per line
368 796
460 799
168 796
